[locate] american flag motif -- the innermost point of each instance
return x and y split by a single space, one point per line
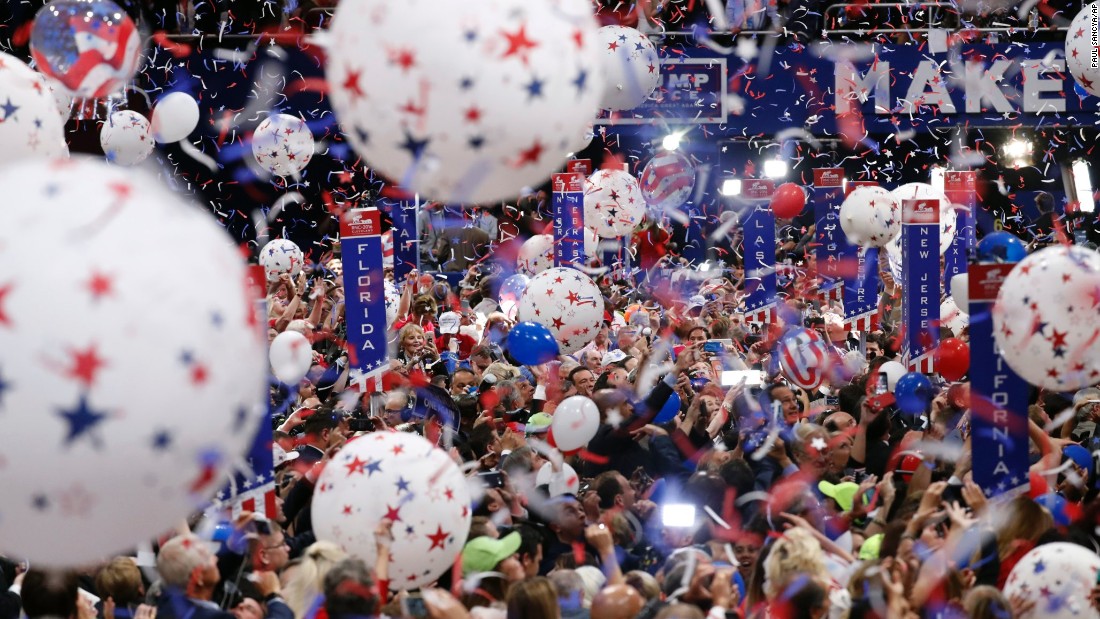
763 316
922 364
864 322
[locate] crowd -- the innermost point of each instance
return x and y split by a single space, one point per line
713 487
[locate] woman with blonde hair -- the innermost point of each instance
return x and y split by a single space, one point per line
416 351
793 558
304 581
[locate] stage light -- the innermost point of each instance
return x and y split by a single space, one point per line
936 178
1082 186
775 168
1019 151
671 141
731 187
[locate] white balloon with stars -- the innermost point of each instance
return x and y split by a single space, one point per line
1046 319
464 101
1082 52
632 66
283 145
568 303
134 372
613 203
281 257
125 138
29 123
402 477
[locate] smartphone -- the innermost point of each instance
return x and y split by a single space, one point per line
413 606
717 346
492 479
678 515
752 378
882 384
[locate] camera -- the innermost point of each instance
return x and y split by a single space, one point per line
678 515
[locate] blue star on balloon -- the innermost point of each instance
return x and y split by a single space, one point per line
4 386
9 109
82 420
414 146
582 79
374 466
402 485
162 440
534 89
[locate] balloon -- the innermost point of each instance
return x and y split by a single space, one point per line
960 290
175 116
1044 319
519 80
1001 246
921 191
1081 60
91 48
669 411
788 201
568 303
952 358
584 139
667 180
613 203
591 244
291 356
894 371
29 126
393 302
531 343
575 422
283 145
61 98
631 66
513 287
125 138
120 423
281 257
536 254
1057 578
804 358
952 317
870 217
565 482
914 393
400 476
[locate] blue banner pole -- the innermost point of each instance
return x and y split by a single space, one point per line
920 247
568 219
961 189
998 396
759 247
831 244
365 300
406 240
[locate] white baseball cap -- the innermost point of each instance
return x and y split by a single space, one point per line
449 322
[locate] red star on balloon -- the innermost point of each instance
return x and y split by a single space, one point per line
198 374
351 84
86 363
393 513
1058 339
519 44
4 290
439 538
530 156
558 323
403 58
355 466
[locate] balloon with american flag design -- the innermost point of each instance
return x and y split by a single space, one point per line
283 145
133 375
568 303
804 358
1082 53
485 105
667 180
30 126
1046 319
281 257
402 477
613 203
90 46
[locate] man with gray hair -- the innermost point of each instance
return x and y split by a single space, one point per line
570 588
189 571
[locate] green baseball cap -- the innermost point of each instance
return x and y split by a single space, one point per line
842 493
870 548
482 554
